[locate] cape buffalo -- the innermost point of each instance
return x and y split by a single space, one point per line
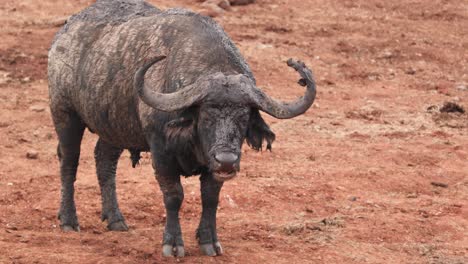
169 82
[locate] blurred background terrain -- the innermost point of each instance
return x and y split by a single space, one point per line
375 172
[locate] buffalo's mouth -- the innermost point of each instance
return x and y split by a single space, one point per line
225 165
223 175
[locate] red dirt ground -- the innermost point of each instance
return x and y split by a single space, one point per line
351 181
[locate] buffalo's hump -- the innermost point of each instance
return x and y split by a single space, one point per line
112 12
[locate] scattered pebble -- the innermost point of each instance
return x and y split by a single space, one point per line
230 201
432 109
4 124
264 46
32 154
224 4
450 107
49 135
37 108
58 21
386 55
25 79
439 184
410 71
462 87
11 227
241 2
5 77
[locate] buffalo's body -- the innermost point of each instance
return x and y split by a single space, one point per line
94 55
92 64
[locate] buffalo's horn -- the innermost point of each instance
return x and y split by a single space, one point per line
167 102
288 110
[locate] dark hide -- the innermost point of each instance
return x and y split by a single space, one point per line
259 131
181 135
181 132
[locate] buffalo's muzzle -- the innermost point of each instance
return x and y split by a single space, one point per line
226 167
227 161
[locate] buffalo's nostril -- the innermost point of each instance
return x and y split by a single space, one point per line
226 160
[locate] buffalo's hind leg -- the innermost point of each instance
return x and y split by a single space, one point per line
206 232
106 157
70 130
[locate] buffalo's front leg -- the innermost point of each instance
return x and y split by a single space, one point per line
106 157
206 232
169 182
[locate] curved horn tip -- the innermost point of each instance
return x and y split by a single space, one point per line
297 65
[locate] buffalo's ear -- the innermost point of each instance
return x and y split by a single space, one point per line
180 134
258 131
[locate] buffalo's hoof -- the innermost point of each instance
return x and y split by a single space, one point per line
69 228
173 251
212 250
118 226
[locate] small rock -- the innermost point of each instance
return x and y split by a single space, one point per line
439 184
412 195
432 109
57 22
4 124
462 87
410 71
264 46
10 184
450 107
23 140
353 198
4 77
386 55
241 2
25 79
32 154
37 108
224 4
49 135
230 201
11 227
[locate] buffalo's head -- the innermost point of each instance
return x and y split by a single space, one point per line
219 112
